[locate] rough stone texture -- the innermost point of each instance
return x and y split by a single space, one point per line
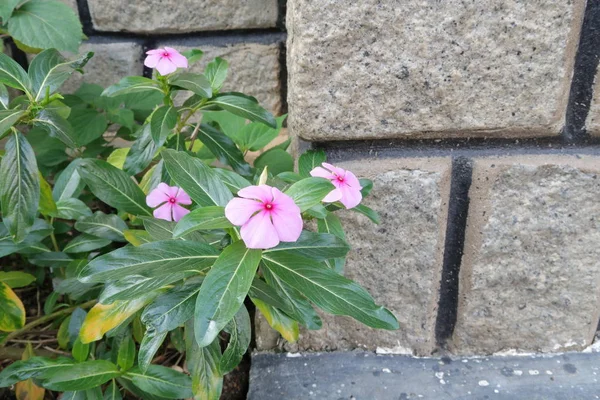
593 118
383 68
399 261
530 275
111 62
253 68
179 16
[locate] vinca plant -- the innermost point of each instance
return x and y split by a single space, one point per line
165 246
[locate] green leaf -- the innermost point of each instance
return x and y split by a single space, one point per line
49 70
216 73
134 286
80 351
196 178
173 308
84 243
150 344
332 224
72 209
276 160
223 290
44 24
8 118
88 123
112 392
244 107
126 353
204 218
318 246
32 368
240 333
152 177
309 192
229 124
6 9
142 152
137 237
367 186
19 186
256 135
162 123
196 83
69 183
81 376
223 148
16 279
114 187
47 205
368 212
309 160
204 366
13 312
287 327
11 74
162 381
132 84
105 226
330 291
56 126
128 385
118 156
193 55
4 97
150 260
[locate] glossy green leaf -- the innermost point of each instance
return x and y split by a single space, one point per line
216 73
47 205
126 353
7 119
88 124
276 160
162 123
193 55
84 243
6 9
256 135
204 366
12 75
16 279
309 192
142 152
203 218
132 84
162 381
19 186
196 178
127 383
49 70
4 97
228 123
233 181
318 246
69 183
35 25
366 185
244 107
104 226
80 351
332 224
152 178
330 291
118 156
173 308
287 327
196 83
112 392
114 187
56 126
368 212
81 376
50 303
309 160
150 260
223 148
50 259
31 368
72 209
13 312
137 237
150 344
134 286
224 290
240 332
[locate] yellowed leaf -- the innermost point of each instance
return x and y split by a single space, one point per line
27 390
12 316
287 327
117 157
136 237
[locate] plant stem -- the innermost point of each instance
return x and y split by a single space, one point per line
54 242
194 134
43 320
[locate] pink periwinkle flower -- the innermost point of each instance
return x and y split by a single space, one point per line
172 197
267 216
347 187
165 60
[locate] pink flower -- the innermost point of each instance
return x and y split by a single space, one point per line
165 60
266 216
347 187
172 197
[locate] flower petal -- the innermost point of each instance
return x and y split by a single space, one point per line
333 196
261 192
157 196
259 232
179 212
321 173
155 51
351 180
182 197
283 202
152 60
177 58
337 171
288 225
165 66
351 196
164 212
238 211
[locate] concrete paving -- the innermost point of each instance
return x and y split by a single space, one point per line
367 376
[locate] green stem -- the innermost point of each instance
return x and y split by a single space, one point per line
54 242
43 320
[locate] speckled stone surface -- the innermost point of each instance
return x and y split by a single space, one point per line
399 261
530 275
364 376
387 68
593 119
179 16
253 68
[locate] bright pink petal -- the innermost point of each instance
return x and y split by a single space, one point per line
288 225
283 202
155 51
157 196
179 212
182 197
337 171
164 212
152 60
259 232
238 211
351 196
321 173
351 180
177 58
165 66
333 196
262 193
